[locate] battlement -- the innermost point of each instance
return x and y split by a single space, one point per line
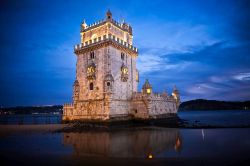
152 96
105 38
122 26
68 105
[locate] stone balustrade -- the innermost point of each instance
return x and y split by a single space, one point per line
102 39
153 96
101 22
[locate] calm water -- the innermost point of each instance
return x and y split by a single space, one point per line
31 119
215 118
226 145
149 145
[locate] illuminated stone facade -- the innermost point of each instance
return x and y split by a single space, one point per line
106 77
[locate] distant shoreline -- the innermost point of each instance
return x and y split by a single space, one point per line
192 105
209 105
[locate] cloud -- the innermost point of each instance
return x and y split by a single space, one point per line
206 72
203 48
203 88
171 37
242 76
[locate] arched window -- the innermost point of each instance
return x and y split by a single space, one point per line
91 86
122 56
108 83
92 55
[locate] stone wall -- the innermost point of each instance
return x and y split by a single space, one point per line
154 105
123 90
83 60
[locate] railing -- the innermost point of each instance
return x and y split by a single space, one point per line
95 24
152 96
103 39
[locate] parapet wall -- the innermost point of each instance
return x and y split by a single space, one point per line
153 105
142 106
86 110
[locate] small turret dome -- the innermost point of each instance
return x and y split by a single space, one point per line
108 15
84 24
146 85
175 90
147 88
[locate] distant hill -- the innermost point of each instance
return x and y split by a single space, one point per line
31 109
201 104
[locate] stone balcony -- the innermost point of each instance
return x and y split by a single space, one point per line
103 39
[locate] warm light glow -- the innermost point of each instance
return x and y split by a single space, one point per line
148 91
150 156
91 69
177 144
125 70
137 76
174 95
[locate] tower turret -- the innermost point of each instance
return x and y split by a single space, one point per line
76 92
147 88
176 96
108 15
83 25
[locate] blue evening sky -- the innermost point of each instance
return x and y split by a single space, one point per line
202 47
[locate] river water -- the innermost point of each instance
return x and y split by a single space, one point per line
162 145
135 146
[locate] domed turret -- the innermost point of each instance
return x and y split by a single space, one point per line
76 91
147 88
108 15
176 96
83 25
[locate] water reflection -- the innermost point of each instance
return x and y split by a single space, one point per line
143 143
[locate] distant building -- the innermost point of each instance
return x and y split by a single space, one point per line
106 78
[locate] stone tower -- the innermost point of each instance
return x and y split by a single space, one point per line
106 82
106 74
